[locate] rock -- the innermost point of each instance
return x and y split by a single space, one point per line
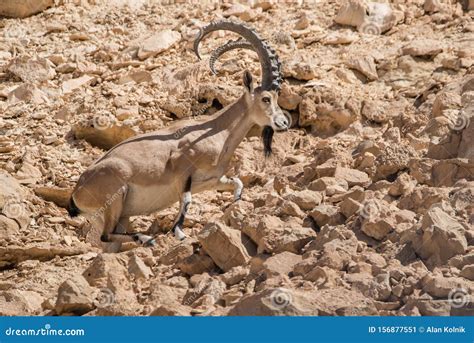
196 264
423 48
171 310
368 17
109 273
8 228
365 65
440 237
28 173
327 110
349 207
403 185
441 287
138 268
280 264
234 275
20 303
73 84
467 272
75 296
299 70
377 288
12 203
15 9
305 199
161 294
330 185
13 254
289 302
272 235
32 70
209 289
377 219
158 43
177 253
242 12
353 177
227 247
102 132
137 76
392 159
288 99
381 111
27 92
60 196
326 214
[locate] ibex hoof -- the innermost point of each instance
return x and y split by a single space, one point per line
179 234
143 239
150 243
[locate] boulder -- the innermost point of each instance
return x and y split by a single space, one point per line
158 43
290 302
227 247
22 9
196 264
305 199
440 237
75 296
272 235
280 264
32 69
423 48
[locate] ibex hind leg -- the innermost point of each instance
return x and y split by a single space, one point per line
116 227
185 201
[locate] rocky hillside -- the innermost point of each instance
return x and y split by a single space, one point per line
366 206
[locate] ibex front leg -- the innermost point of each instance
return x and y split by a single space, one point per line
233 183
185 201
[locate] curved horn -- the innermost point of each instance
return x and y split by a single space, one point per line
270 64
230 45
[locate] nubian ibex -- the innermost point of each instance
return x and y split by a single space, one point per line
150 172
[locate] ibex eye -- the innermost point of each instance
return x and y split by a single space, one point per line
266 99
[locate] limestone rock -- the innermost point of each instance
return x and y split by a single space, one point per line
158 43
32 70
440 237
22 9
226 246
423 48
75 296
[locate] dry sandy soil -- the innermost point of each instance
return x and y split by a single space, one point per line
366 206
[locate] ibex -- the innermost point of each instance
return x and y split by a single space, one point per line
150 172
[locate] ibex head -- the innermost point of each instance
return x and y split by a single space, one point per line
262 101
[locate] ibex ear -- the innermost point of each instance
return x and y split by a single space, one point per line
248 81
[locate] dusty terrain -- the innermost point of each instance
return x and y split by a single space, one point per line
366 206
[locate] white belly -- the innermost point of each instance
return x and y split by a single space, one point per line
143 200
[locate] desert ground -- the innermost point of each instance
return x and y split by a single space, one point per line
365 207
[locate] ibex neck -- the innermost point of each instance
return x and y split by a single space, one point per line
237 122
